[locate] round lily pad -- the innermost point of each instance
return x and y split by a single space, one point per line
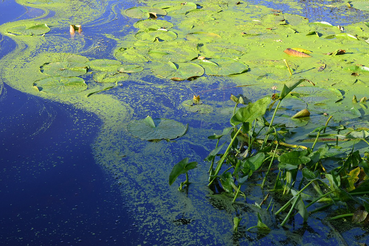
110 77
156 129
64 69
223 67
105 64
156 35
130 69
60 85
143 12
200 108
26 30
132 55
361 5
178 71
178 53
153 24
204 37
177 7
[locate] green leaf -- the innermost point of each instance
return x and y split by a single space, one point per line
105 65
214 152
253 163
180 168
225 132
227 181
153 24
352 178
29 30
132 55
300 206
156 129
60 85
251 112
200 108
223 67
143 12
261 226
178 71
287 89
156 35
110 77
293 159
130 69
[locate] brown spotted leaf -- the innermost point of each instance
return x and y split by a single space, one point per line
295 53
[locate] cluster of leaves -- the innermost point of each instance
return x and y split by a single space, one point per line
306 176
63 74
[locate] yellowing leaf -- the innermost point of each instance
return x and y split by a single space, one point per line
353 177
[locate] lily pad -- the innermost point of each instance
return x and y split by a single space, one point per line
361 5
204 37
130 69
199 108
105 64
223 67
176 52
177 7
143 12
67 66
156 129
60 85
110 77
178 71
132 55
156 35
64 69
26 30
153 24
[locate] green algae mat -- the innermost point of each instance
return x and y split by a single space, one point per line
153 61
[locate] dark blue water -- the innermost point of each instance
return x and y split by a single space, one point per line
51 190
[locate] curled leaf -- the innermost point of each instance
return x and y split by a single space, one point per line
302 113
295 53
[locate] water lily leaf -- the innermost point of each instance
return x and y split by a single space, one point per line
199 108
361 5
130 69
174 52
64 68
178 71
221 50
143 12
223 67
180 168
175 8
251 112
156 35
110 77
156 129
300 206
153 24
104 64
60 85
202 37
133 55
29 30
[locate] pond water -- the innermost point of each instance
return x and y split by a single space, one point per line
71 173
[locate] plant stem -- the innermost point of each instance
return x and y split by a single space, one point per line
289 212
317 199
317 136
219 166
289 201
238 190
289 69
212 161
341 216
187 181
270 165
270 124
